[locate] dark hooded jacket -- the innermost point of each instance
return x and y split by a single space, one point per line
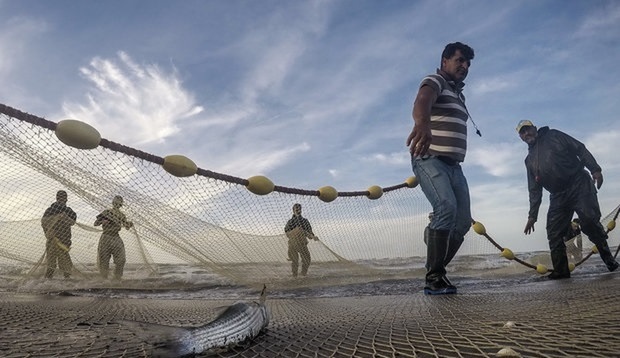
61 226
298 220
553 162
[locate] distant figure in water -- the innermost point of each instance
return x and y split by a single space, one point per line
574 248
298 230
427 229
56 222
110 244
557 162
427 234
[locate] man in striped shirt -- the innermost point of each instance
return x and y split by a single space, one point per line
438 143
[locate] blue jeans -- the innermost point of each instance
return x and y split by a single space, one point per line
446 189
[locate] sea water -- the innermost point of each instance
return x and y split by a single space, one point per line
385 277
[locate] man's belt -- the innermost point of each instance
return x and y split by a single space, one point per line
447 160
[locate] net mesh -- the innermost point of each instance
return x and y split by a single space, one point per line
209 220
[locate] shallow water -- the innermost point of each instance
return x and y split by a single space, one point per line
382 277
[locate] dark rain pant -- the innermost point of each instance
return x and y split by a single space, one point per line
111 246
57 255
580 197
299 248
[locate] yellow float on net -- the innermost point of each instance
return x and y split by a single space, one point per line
479 228
179 165
77 134
571 267
375 192
411 182
508 254
594 250
541 269
328 193
611 225
260 185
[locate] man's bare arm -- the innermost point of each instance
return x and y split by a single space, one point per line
420 137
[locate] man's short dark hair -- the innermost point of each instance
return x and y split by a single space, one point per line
450 49
296 206
61 194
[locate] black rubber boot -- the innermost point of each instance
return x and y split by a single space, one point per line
454 244
558 276
436 281
607 257
560 265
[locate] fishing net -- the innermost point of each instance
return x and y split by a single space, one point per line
208 220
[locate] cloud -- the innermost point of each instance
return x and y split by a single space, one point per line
15 35
491 85
16 42
398 158
604 147
602 22
273 66
499 159
261 161
132 103
294 80
502 206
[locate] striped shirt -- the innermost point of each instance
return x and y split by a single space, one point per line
448 118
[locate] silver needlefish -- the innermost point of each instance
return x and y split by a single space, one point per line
240 322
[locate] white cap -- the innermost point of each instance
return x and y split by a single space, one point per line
524 123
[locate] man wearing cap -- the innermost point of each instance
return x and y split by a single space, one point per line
556 162
438 143
56 222
110 244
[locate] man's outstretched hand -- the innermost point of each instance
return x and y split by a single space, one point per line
598 179
529 226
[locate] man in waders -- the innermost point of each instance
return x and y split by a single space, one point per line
56 222
110 243
557 162
298 230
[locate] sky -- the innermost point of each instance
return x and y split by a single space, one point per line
314 93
